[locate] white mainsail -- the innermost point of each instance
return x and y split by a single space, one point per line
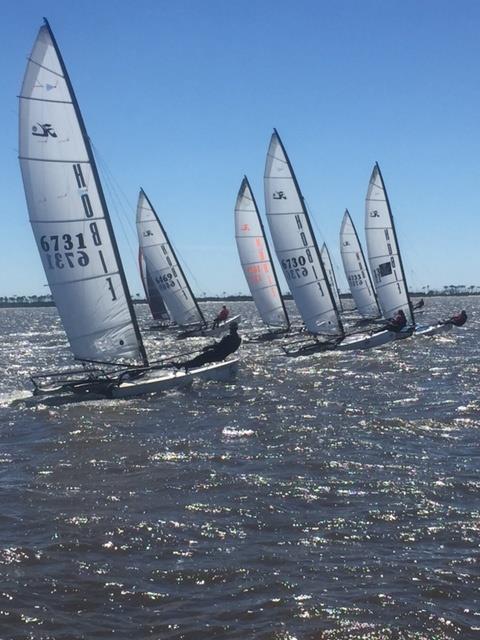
69 215
154 299
256 260
356 271
327 263
295 244
383 251
163 266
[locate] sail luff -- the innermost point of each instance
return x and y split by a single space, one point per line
410 306
103 201
384 251
161 261
302 263
256 259
356 270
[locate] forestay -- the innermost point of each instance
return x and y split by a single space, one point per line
69 216
154 299
332 280
383 251
356 271
163 266
295 244
256 260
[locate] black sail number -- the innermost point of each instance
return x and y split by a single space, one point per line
295 267
64 251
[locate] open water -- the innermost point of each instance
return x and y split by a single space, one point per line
329 497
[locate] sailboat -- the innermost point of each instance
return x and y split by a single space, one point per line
168 275
356 271
298 253
386 262
154 299
325 256
74 234
257 264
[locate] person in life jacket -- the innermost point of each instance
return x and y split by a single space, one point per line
215 352
458 319
397 322
221 317
420 304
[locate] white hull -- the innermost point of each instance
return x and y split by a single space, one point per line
372 340
433 329
155 381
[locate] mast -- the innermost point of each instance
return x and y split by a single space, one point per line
199 311
410 306
314 240
246 183
334 278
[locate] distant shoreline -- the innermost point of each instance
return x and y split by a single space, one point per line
344 296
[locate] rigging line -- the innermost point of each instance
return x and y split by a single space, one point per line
335 265
123 209
187 268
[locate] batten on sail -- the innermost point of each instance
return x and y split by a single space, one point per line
356 271
256 260
383 251
295 244
69 215
163 266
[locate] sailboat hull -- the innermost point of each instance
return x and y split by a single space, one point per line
432 330
372 340
153 382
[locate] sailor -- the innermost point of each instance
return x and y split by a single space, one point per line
397 323
215 352
221 317
458 319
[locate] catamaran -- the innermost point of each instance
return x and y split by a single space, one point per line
168 275
257 264
356 271
298 253
71 224
386 262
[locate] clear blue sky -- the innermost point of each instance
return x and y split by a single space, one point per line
180 97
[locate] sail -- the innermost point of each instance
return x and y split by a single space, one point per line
383 251
163 266
327 263
295 244
356 271
154 299
256 260
69 216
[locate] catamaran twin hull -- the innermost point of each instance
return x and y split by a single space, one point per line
151 383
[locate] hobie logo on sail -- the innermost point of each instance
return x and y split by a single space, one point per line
46 130
147 233
374 214
279 195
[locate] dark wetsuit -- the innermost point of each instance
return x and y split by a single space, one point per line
458 319
397 322
215 352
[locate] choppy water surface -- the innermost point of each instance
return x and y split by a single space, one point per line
335 496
